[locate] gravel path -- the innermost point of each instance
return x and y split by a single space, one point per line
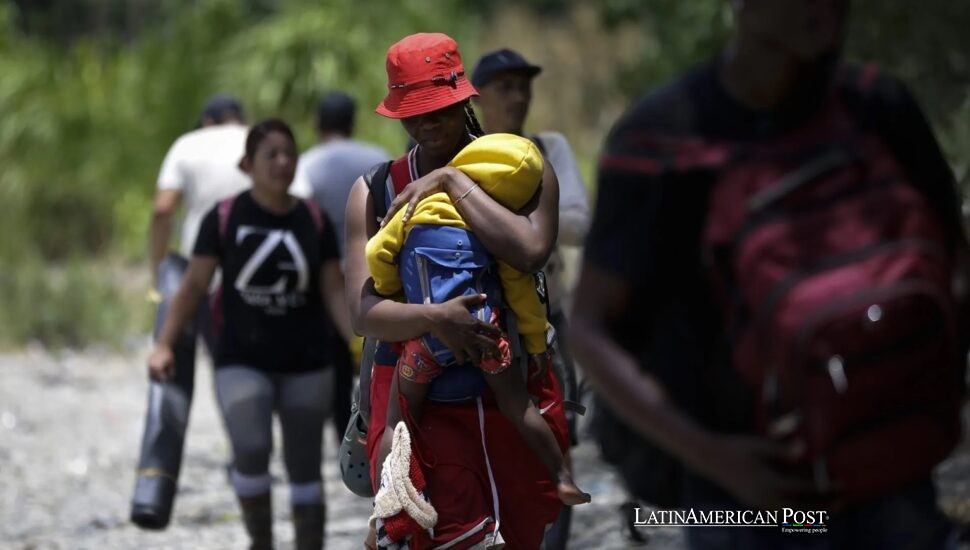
69 431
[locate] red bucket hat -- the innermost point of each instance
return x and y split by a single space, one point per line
424 74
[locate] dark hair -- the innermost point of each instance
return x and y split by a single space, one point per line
222 108
335 113
227 114
263 128
471 121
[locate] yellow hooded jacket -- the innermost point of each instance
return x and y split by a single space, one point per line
509 169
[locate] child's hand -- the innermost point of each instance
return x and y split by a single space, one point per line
409 198
467 337
423 187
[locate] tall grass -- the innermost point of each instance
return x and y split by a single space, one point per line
84 129
84 122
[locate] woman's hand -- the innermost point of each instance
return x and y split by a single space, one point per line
466 336
423 187
161 364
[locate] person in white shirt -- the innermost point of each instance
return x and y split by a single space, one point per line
503 79
200 169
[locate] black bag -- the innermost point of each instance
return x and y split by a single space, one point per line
354 462
166 417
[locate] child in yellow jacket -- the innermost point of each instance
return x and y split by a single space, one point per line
432 264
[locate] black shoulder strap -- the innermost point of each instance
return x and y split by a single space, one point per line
535 139
378 191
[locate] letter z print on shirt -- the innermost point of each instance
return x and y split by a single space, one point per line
278 254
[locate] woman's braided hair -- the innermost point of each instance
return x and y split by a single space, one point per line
471 121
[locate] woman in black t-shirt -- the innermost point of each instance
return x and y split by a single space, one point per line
280 269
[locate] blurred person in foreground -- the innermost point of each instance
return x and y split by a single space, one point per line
326 172
503 79
200 169
773 299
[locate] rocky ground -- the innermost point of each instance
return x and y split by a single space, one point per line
70 426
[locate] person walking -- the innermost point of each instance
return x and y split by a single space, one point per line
281 281
486 485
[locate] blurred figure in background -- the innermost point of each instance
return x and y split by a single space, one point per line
325 174
200 169
503 79
328 170
768 292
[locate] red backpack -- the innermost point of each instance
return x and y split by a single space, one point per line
837 278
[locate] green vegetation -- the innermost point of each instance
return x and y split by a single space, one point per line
86 123
94 91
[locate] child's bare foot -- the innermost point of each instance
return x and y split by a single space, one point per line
569 493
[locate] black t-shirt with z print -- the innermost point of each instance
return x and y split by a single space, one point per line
272 315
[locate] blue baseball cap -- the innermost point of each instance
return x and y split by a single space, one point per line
501 61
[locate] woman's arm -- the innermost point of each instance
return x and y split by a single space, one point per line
194 287
522 239
375 316
335 298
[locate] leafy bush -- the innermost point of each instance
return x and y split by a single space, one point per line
94 92
87 122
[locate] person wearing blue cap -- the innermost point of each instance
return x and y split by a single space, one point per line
200 169
504 81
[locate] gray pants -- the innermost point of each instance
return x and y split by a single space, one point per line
247 399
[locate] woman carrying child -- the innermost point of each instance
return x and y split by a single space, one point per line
486 484
434 257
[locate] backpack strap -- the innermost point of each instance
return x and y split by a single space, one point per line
224 210
377 184
534 138
366 365
401 173
542 288
315 214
